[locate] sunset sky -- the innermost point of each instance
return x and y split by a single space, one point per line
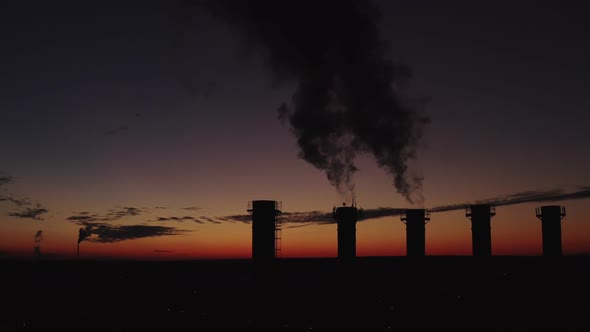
159 120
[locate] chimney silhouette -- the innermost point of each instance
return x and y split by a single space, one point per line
346 218
415 220
481 235
265 229
550 216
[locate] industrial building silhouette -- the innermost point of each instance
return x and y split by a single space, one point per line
266 231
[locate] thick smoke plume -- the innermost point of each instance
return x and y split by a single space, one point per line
348 96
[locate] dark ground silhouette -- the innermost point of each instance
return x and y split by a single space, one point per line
369 294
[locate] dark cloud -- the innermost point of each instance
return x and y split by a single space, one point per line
116 233
161 207
5 179
162 251
116 130
179 219
83 218
32 213
192 208
350 95
16 201
207 219
118 213
124 211
233 218
107 233
23 203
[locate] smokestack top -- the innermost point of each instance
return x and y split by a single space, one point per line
346 213
415 214
264 205
480 210
550 210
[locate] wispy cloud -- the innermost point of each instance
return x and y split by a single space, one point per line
192 208
24 203
117 213
178 219
5 179
32 213
97 227
116 130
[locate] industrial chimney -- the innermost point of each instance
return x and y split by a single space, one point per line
415 220
481 235
550 216
346 218
265 230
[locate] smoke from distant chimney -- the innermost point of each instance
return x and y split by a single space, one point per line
348 98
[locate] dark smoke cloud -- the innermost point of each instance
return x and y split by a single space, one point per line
349 92
533 196
84 233
117 233
302 219
107 233
315 217
538 196
97 227
38 236
381 212
192 208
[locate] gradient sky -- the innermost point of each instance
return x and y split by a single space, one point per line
151 105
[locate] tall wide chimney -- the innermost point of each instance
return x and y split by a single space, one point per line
264 229
550 216
481 235
346 218
415 220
